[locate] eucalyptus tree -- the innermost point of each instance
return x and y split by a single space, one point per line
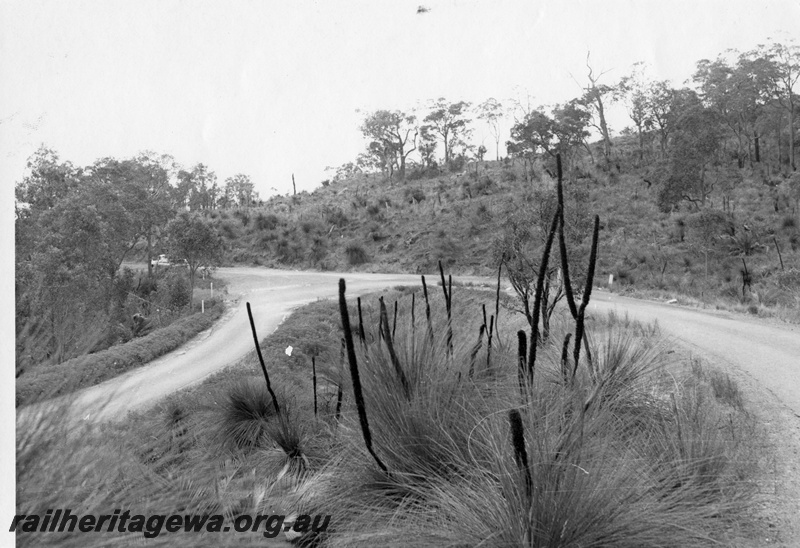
239 190
393 136
632 91
194 238
491 111
595 98
450 122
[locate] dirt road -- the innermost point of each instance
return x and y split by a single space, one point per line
768 353
272 295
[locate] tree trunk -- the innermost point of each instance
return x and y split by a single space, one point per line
791 134
149 253
192 272
604 129
757 147
641 144
780 152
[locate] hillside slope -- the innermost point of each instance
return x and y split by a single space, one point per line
466 219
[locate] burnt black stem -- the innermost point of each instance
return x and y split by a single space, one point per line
537 299
520 453
394 321
357 391
361 333
587 293
314 381
387 337
261 359
522 352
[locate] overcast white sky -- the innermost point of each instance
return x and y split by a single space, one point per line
272 88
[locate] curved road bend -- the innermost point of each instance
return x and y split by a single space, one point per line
768 353
272 294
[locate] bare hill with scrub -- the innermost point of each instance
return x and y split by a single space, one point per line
745 257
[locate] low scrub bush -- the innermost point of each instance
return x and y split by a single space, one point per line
508 175
414 195
267 221
50 381
356 254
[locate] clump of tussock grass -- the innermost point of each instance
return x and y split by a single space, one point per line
604 460
243 417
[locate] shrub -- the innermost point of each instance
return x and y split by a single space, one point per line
335 216
457 163
177 289
319 249
415 174
229 229
269 221
243 215
483 213
288 252
310 226
508 175
483 186
356 254
414 195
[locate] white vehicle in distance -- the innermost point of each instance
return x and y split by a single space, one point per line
163 260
